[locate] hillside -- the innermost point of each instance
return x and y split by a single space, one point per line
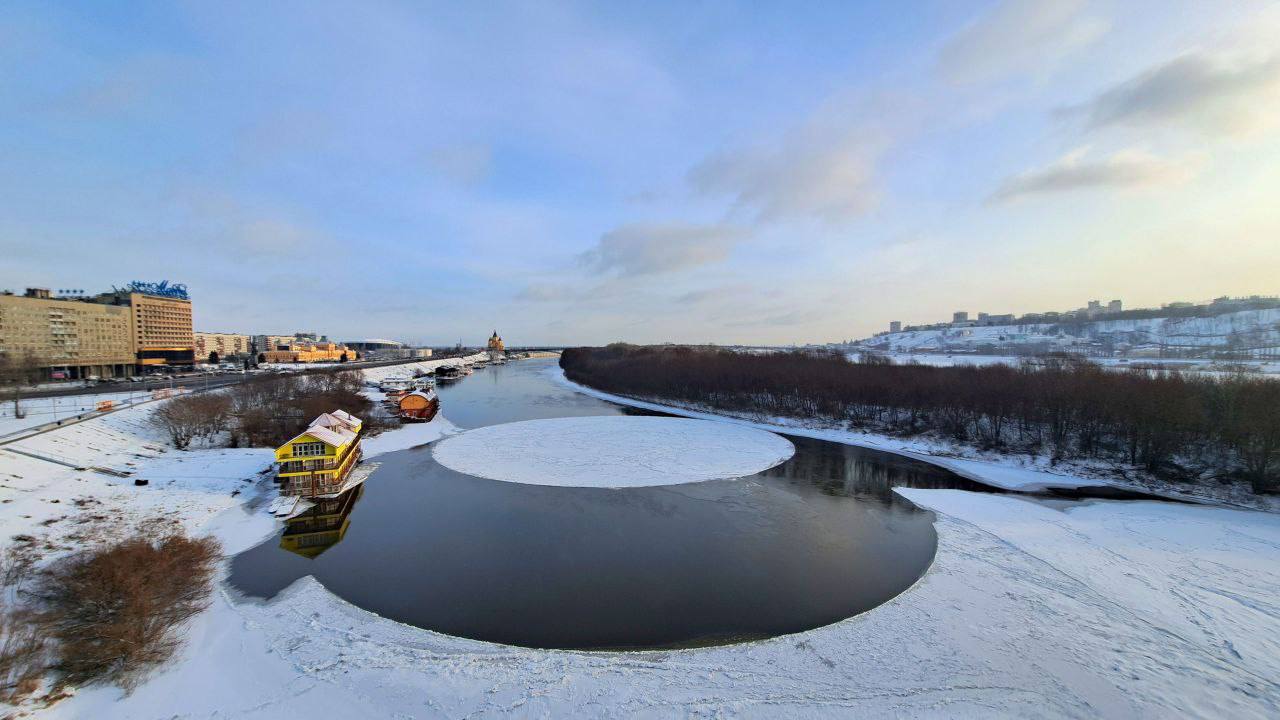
1246 334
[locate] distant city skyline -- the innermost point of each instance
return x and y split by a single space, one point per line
578 174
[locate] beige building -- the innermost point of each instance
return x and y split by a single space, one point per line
162 331
304 352
68 337
227 345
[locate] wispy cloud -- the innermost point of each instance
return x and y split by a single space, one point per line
1019 36
823 169
1214 93
1125 169
548 292
812 173
646 249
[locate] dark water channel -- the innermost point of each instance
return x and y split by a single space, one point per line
816 539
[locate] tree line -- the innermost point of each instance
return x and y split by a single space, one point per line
1173 425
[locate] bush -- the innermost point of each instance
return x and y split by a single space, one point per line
22 653
114 611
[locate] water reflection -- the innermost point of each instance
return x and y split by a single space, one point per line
320 527
863 473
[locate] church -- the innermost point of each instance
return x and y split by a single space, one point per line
496 347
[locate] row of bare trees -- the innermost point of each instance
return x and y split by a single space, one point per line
1169 423
263 411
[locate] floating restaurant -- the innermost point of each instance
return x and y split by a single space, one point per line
318 463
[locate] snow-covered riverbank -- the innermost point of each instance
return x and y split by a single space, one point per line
1031 609
1009 472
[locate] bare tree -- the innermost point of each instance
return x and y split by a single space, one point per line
181 420
17 371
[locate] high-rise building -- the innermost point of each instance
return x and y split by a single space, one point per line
960 316
161 317
895 326
66 337
1114 306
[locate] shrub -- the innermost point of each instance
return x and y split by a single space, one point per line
114 611
22 653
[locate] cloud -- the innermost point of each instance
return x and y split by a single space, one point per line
1018 36
647 249
824 170
1125 169
785 319
465 164
721 293
1215 94
547 292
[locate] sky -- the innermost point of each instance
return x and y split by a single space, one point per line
584 173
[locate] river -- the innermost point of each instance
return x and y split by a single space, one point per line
816 539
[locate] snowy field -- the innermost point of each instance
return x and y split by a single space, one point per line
619 451
1031 609
39 411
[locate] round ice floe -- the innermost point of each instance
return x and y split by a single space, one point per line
612 451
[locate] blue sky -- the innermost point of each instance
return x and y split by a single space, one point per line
688 172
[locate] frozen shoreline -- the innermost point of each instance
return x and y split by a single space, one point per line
1013 472
1031 609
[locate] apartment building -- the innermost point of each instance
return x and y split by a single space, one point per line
227 345
68 337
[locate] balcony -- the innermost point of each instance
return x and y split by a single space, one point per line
322 482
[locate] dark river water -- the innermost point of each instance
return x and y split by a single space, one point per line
819 538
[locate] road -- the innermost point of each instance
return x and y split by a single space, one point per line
208 381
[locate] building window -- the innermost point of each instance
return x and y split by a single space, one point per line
306 449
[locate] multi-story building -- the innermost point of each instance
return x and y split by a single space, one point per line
960 316
67 337
227 345
318 462
161 317
895 326
308 352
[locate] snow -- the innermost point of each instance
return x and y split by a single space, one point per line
1111 610
44 410
1006 477
407 436
612 451
405 370
1031 609
1206 367
1246 328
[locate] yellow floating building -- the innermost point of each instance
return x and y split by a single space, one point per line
318 462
